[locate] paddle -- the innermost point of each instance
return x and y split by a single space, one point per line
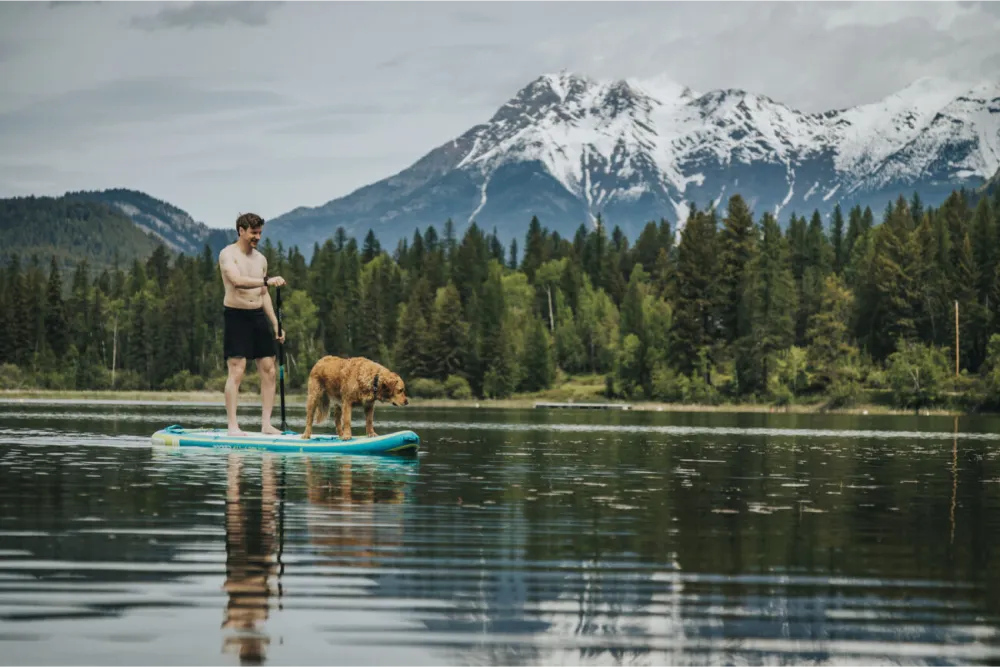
281 360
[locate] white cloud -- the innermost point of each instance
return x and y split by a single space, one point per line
223 107
203 14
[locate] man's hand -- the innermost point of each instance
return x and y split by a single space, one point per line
280 336
276 281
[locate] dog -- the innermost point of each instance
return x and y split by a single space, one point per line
346 382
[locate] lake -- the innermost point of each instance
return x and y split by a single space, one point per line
515 537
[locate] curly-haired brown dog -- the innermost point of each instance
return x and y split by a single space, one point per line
346 382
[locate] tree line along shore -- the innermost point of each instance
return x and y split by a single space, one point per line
896 313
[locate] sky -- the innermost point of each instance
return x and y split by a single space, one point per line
229 107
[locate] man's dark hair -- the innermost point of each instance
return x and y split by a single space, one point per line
249 221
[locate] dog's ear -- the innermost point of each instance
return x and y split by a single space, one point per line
386 385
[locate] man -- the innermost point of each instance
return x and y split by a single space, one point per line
246 312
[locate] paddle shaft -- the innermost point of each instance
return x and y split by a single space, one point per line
281 359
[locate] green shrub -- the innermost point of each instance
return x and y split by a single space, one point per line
11 377
457 387
917 374
425 388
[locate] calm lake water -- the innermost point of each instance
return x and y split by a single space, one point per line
515 537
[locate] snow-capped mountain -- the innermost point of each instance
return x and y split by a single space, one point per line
567 148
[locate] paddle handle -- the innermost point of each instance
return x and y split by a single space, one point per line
281 359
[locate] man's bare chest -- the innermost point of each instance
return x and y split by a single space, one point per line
252 267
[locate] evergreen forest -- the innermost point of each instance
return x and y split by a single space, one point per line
731 309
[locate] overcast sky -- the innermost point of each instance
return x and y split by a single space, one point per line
222 108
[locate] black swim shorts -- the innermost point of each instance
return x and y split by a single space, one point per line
247 333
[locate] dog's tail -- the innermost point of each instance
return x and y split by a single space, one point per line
322 407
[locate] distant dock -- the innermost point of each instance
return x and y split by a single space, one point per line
585 406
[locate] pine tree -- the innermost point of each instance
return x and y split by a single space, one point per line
818 265
538 363
412 353
450 241
512 258
916 209
17 321
737 249
931 281
469 269
696 275
895 270
371 248
570 353
972 315
449 334
56 334
371 325
771 303
158 267
632 318
837 241
647 248
986 248
6 323
828 334
593 256
853 232
497 355
534 248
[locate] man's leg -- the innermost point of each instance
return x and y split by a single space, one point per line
237 366
268 377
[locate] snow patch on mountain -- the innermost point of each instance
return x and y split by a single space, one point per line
869 133
635 149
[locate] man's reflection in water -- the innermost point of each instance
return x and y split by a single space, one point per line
251 561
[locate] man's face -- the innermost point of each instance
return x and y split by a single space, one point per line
252 236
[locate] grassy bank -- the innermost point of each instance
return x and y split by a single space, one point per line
522 401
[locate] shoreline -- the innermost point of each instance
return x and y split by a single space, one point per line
521 402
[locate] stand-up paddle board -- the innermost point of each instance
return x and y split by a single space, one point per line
400 442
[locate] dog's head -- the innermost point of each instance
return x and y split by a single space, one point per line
392 389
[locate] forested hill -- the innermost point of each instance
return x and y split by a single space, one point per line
70 230
175 227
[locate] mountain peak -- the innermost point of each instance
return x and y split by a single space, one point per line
664 89
928 94
567 147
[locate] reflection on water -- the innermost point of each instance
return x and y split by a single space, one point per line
252 567
516 537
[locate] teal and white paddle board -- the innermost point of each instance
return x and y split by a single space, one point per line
400 442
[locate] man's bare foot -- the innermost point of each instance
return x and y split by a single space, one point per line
235 430
267 429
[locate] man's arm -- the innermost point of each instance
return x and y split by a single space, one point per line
231 270
269 311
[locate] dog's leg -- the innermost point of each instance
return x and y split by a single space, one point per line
310 411
370 419
337 419
346 419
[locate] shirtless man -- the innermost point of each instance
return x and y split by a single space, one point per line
247 310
